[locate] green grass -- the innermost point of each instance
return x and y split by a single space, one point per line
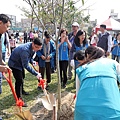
7 108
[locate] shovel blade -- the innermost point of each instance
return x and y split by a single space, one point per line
48 104
26 115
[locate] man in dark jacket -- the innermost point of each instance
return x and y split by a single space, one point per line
20 59
105 40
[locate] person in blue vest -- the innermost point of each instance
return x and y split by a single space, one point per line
80 43
105 40
64 46
46 57
97 93
19 60
116 48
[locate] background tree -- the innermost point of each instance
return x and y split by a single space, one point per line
90 30
44 11
29 14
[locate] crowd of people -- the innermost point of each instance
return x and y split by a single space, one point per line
95 75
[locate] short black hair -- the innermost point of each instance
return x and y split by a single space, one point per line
4 18
62 30
37 41
46 34
103 26
79 55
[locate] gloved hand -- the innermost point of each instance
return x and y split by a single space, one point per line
39 76
34 63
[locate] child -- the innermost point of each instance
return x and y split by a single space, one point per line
12 43
79 56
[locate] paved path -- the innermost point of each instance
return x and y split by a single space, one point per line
7 57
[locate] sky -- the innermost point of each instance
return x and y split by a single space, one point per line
99 9
10 7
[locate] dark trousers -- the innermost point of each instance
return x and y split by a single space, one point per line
19 76
48 71
31 39
116 57
63 71
12 48
25 40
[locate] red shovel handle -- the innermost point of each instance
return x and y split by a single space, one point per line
9 73
9 80
74 96
42 83
19 102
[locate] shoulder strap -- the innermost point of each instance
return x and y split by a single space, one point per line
5 40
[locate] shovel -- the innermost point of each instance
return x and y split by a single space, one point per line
26 115
73 99
48 99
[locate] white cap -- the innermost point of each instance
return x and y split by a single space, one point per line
75 24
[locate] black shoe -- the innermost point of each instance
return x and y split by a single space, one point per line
25 105
52 71
64 86
69 78
47 87
39 88
25 93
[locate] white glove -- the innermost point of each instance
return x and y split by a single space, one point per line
39 76
72 63
34 63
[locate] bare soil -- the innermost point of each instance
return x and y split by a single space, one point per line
66 113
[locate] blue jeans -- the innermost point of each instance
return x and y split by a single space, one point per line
0 82
0 118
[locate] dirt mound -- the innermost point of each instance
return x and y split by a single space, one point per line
66 112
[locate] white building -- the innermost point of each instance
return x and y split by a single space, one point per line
13 20
114 15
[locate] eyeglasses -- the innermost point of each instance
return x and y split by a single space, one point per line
74 26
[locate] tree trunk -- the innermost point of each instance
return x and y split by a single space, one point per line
57 62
